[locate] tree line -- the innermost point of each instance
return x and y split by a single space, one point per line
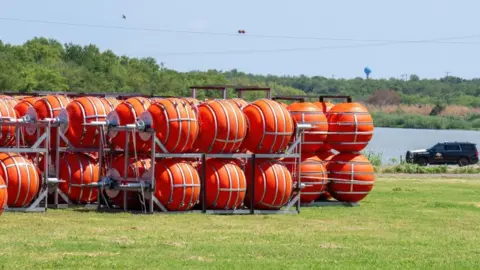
47 65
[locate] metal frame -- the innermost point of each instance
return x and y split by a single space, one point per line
40 202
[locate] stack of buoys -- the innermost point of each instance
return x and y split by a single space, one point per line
271 128
312 172
350 128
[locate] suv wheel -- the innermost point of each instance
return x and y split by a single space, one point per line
422 161
463 162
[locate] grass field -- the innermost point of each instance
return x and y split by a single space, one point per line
404 223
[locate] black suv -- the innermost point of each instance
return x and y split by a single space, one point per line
461 153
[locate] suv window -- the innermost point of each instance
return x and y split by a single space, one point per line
468 147
439 147
452 147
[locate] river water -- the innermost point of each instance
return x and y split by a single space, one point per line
394 142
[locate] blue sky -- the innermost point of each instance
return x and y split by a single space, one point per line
350 19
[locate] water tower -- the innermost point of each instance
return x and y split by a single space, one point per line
367 71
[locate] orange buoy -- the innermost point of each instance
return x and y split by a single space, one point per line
3 195
273 184
125 113
47 107
24 104
313 175
135 168
225 184
110 102
308 113
325 106
350 127
285 105
21 177
10 100
177 184
240 103
78 170
79 113
351 177
7 133
325 156
270 127
223 127
174 122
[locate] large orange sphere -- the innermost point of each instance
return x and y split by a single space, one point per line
135 168
7 133
273 184
313 175
223 127
225 184
174 122
270 127
177 184
324 157
24 104
80 112
3 195
307 113
350 127
10 100
21 177
47 107
77 170
126 113
351 177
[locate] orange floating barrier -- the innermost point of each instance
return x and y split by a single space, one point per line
125 113
308 113
78 170
7 133
273 185
136 168
21 177
177 184
24 104
3 195
80 112
351 177
350 127
325 156
174 122
47 107
271 127
223 127
313 175
225 184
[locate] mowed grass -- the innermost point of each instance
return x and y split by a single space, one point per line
403 223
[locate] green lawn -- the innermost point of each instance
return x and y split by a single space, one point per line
403 223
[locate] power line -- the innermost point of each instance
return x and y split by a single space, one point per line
303 49
221 33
